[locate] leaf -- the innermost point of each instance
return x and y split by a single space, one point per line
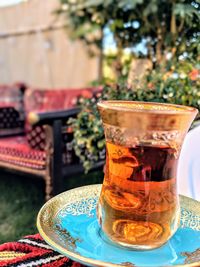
107 2
151 8
186 10
84 29
93 3
101 144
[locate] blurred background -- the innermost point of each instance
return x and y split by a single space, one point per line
38 41
129 49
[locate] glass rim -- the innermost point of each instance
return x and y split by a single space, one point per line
146 107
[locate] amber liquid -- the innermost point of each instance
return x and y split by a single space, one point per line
138 206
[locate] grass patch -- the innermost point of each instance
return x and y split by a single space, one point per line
21 199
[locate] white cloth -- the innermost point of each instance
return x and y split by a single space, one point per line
189 165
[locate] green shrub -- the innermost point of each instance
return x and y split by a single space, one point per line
178 83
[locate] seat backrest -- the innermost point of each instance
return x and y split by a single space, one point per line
53 99
49 100
189 165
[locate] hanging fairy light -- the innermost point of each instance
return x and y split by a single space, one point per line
29 31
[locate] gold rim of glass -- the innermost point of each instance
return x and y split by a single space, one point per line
143 107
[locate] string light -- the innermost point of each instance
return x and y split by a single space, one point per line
30 31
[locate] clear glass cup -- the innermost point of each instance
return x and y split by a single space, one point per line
139 205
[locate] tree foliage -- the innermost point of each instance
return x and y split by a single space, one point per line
171 26
170 32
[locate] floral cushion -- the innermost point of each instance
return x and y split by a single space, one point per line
16 150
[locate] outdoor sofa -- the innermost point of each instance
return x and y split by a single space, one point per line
35 138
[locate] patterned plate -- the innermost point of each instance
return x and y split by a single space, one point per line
68 223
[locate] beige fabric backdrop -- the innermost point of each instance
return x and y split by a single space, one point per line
47 59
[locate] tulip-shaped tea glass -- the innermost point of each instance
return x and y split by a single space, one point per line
139 204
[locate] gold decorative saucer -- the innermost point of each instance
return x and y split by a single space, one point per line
68 224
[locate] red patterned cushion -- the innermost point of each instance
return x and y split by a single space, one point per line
16 150
49 100
54 99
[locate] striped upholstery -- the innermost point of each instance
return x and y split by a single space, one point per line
16 150
32 251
